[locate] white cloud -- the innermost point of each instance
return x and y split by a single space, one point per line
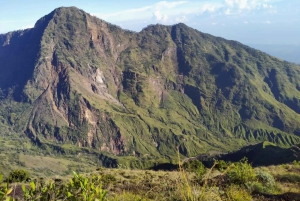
166 12
267 6
267 22
159 17
158 11
129 13
239 4
229 2
190 11
29 26
228 12
242 4
181 19
166 4
209 7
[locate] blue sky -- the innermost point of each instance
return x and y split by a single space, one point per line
247 21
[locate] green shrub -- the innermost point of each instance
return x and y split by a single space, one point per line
237 193
127 196
195 166
289 177
107 179
5 190
258 187
78 188
241 172
209 194
266 179
222 165
18 176
296 163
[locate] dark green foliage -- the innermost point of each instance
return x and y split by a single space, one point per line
5 190
18 176
265 183
289 177
107 179
296 163
241 172
265 178
78 188
195 166
222 165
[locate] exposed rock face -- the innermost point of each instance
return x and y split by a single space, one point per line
76 79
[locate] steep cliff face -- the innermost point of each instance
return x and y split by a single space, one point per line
75 79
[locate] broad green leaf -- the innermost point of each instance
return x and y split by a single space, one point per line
9 191
24 188
69 194
33 186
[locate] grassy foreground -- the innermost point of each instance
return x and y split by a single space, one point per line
223 181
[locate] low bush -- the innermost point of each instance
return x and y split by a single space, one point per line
107 179
127 196
195 166
18 176
255 186
296 163
289 177
237 193
266 179
222 165
78 188
241 172
210 193
5 190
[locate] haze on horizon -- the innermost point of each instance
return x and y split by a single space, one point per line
253 22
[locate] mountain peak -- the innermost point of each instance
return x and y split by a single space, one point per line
67 12
62 10
75 79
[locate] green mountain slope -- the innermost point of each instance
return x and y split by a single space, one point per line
76 80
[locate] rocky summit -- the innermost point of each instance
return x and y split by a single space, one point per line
77 81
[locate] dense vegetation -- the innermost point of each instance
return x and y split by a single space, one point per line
224 181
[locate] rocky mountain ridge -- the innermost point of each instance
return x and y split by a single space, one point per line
77 80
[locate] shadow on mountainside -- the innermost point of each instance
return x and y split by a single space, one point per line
18 56
165 167
262 154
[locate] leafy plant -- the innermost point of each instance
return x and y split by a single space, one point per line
289 177
39 190
107 179
18 176
237 193
222 165
296 163
195 166
127 196
85 188
266 179
241 172
5 190
78 188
